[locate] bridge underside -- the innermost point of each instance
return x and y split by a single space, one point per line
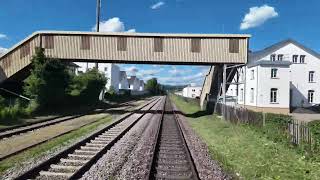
216 84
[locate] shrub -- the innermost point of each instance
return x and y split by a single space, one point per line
88 86
315 132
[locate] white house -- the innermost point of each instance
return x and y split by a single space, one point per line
276 78
123 83
141 87
134 83
192 91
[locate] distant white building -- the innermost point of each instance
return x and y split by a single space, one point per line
281 76
141 87
134 83
123 83
192 91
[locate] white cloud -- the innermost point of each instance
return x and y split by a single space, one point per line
3 36
3 50
183 80
132 30
157 5
131 71
112 25
148 72
257 16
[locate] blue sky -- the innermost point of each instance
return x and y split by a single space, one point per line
268 21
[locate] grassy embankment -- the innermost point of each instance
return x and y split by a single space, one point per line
52 145
246 151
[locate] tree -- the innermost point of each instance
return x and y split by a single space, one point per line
88 86
152 86
48 82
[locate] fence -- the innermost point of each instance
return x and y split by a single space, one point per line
298 131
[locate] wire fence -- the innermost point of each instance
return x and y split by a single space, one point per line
299 132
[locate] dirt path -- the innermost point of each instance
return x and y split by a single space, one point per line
17 143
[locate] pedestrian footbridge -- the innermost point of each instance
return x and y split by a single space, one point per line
143 48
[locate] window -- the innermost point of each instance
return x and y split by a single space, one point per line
158 45
311 76
295 59
25 50
195 45
105 68
241 94
310 96
272 57
234 45
122 44
280 57
251 95
273 95
252 75
302 58
231 92
193 90
85 43
48 42
274 73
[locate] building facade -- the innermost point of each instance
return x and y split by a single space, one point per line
192 91
134 83
123 83
280 77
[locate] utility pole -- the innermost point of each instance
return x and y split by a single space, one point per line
98 20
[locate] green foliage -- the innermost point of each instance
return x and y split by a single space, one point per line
246 152
153 86
2 102
315 132
48 81
88 86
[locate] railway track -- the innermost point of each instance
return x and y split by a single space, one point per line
9 132
171 158
73 162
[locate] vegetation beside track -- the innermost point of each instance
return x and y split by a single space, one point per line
246 151
50 146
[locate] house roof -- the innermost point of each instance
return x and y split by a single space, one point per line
131 79
254 56
269 63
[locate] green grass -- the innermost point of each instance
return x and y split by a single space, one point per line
245 152
38 151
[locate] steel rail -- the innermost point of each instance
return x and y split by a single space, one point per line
32 173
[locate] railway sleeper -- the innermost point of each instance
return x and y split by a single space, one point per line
87 152
173 168
172 162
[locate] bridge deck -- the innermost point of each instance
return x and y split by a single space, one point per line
155 48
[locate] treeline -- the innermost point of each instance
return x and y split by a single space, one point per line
52 86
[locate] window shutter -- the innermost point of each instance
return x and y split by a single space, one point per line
85 43
158 45
195 45
122 44
234 45
49 42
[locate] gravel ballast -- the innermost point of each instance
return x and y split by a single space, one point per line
207 168
112 162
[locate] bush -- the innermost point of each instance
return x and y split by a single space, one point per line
88 86
315 133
